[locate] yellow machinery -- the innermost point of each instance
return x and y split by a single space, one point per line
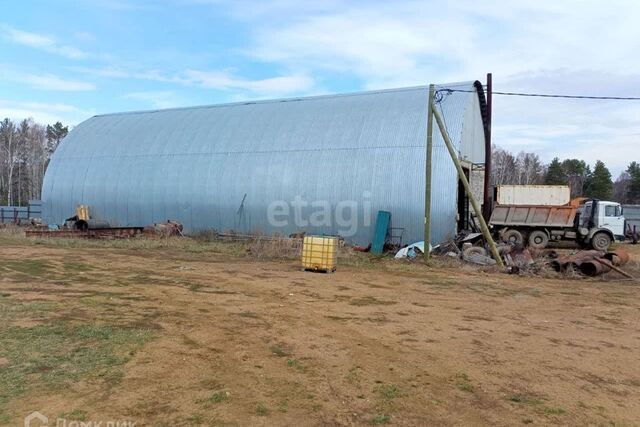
319 253
82 212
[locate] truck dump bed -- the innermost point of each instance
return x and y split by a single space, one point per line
533 216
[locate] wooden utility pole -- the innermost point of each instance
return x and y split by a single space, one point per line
465 183
427 188
488 197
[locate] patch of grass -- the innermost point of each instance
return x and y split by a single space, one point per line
553 411
15 310
216 397
75 415
195 287
49 357
283 405
380 420
250 314
77 267
526 399
388 391
354 376
262 410
31 267
294 363
195 420
279 350
369 300
340 318
463 382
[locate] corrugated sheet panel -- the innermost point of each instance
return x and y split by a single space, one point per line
322 164
631 215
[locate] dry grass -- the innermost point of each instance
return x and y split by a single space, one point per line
258 247
184 331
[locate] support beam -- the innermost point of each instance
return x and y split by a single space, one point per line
428 167
467 187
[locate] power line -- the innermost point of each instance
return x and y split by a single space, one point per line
545 95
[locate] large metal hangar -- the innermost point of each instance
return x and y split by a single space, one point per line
323 164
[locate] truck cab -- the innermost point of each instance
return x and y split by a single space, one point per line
601 223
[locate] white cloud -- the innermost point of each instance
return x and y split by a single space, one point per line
42 42
273 86
404 43
156 99
84 36
45 81
45 113
223 80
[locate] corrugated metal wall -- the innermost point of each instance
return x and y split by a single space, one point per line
631 215
223 166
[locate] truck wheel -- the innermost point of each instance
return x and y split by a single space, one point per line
601 241
538 239
513 237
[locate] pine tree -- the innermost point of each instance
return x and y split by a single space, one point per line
633 189
599 184
55 134
555 174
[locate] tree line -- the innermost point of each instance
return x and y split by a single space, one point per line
583 180
25 150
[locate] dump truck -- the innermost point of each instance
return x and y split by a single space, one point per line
593 223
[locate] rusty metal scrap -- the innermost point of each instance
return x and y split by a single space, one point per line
618 257
591 262
101 233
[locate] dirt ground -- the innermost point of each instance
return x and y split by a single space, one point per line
207 338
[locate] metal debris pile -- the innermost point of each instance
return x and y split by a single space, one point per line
590 263
164 229
519 259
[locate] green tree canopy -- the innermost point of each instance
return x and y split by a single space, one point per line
599 184
555 174
55 134
633 189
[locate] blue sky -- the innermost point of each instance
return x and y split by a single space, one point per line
68 60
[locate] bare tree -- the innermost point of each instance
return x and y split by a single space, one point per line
525 168
530 170
503 167
621 188
8 147
24 154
